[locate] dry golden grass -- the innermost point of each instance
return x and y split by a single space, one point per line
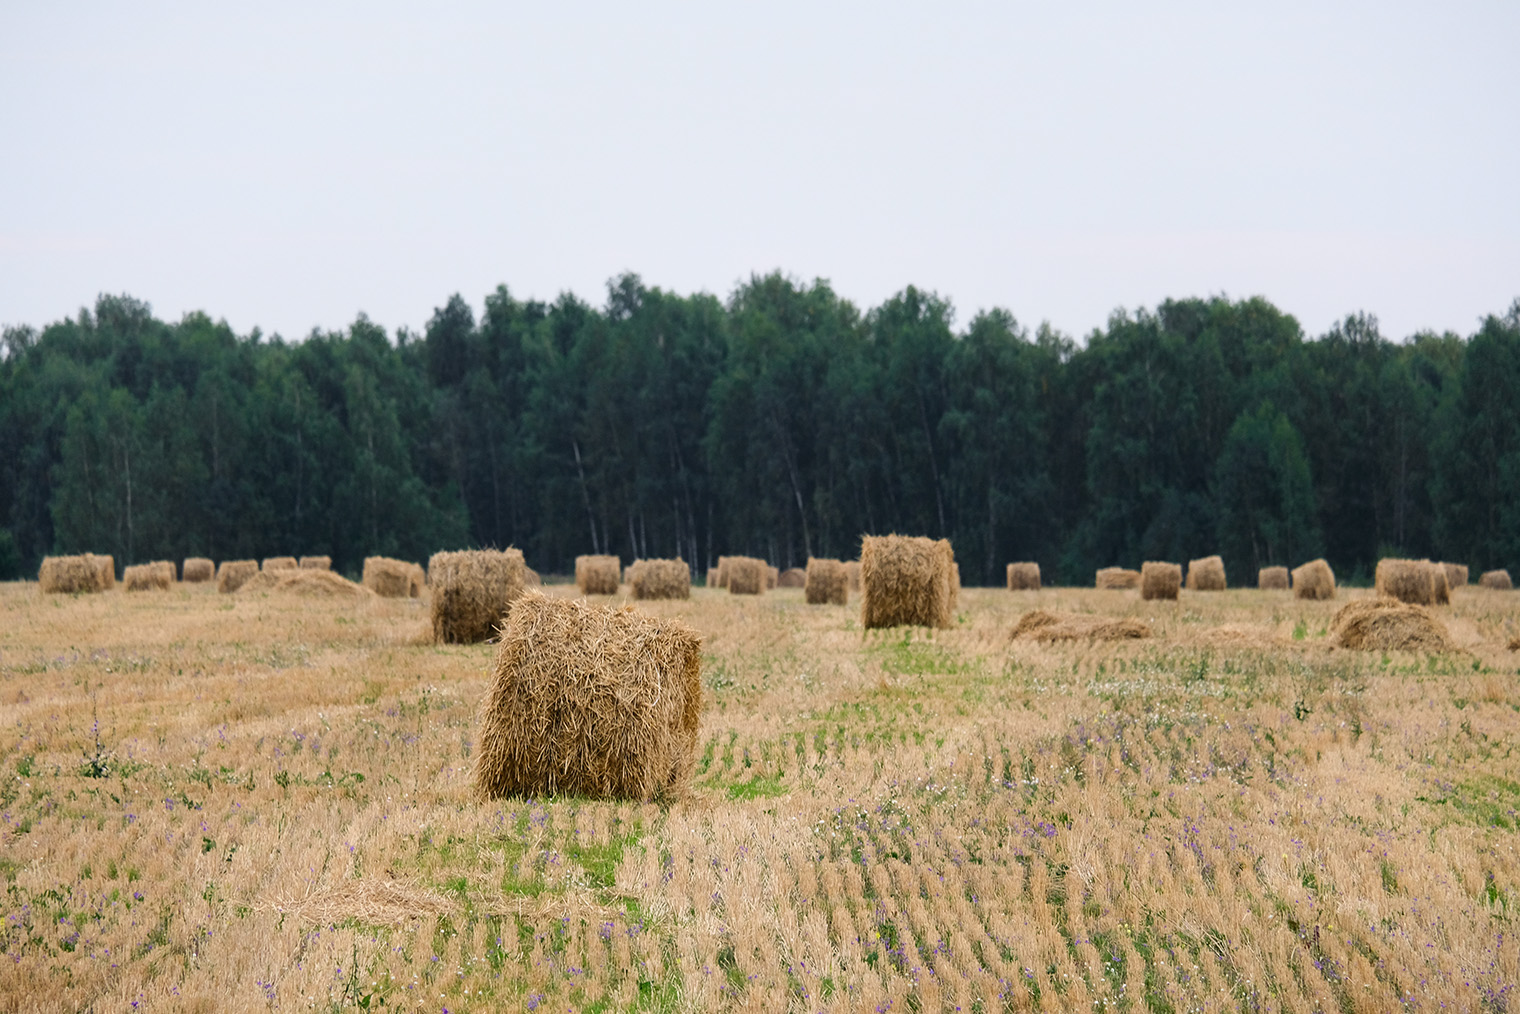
243 803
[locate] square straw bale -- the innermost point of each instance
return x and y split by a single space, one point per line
392 579
745 575
167 568
316 563
1160 580
1023 577
197 570
1418 582
906 580
661 579
1272 578
279 563
598 575
73 574
826 582
1314 580
105 570
1117 578
590 700
1497 579
144 577
472 591
1206 574
232 574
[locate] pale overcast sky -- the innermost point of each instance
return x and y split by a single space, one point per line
287 166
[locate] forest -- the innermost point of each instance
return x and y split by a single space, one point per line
782 423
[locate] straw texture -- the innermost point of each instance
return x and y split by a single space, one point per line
146 577
279 563
1498 579
598 575
744 575
86 572
792 577
1314 580
1023 577
232 574
1206 574
1117 578
1040 625
197 570
392 579
661 579
316 563
906 580
472 591
1272 578
826 582
1386 624
1418 582
1160 580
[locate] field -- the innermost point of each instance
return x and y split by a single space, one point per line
261 802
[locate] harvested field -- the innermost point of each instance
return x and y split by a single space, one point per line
264 802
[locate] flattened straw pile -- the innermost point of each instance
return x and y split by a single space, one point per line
1160 580
661 579
906 580
1497 579
1117 578
233 574
1023 577
1456 575
597 575
1039 625
1206 574
197 570
279 563
592 701
852 568
792 577
744 575
1418 582
827 583
145 577
472 591
1314 580
1272 578
392 579
308 581
316 563
74 574
1387 624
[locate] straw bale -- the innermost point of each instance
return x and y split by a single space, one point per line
1272 578
590 700
1456 575
1160 580
792 577
233 574
722 569
167 568
1498 579
906 580
597 575
392 579
417 582
1418 582
1117 578
1314 580
1039 625
772 576
1387 624
316 563
1206 574
279 563
75 574
852 568
1023 577
308 581
661 579
827 582
472 591
197 570
145 577
744 575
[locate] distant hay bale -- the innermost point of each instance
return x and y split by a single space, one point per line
145 577
1206 574
1456 575
309 581
391 579
826 583
1160 580
1497 579
316 563
661 579
852 568
1387 624
84 573
1023 577
197 570
1314 580
792 577
472 591
167 568
1418 582
1040 625
744 575
772 576
279 563
906 580
1117 578
590 700
597 575
233 574
1272 578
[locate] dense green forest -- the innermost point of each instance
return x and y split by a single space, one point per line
782 423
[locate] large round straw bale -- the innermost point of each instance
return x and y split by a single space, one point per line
827 582
744 575
472 591
1272 578
1418 582
1456 575
1387 624
590 700
392 579
906 580
1117 578
1040 625
661 579
597 575
233 574
316 563
308 581
1023 577
1314 580
1498 579
1206 574
792 577
197 570
852 568
145 577
279 563
75 574
1160 580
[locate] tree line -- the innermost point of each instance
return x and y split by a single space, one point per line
782 423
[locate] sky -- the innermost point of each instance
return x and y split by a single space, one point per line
289 166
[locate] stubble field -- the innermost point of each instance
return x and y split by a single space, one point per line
261 802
